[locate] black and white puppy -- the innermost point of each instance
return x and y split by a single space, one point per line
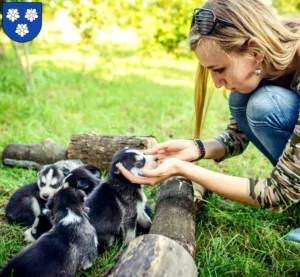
117 205
50 177
27 202
71 245
24 205
85 177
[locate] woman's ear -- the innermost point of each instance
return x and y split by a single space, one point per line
255 51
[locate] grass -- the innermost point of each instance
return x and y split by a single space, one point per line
120 96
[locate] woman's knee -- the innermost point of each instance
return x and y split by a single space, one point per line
238 104
238 100
273 106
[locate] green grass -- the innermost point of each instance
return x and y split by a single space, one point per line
119 95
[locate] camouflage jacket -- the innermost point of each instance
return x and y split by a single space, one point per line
282 188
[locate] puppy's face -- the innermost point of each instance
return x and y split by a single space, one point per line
49 180
134 161
84 177
69 198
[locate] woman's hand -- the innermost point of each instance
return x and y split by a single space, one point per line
165 170
182 149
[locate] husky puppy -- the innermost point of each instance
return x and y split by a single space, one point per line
117 205
85 177
71 245
28 201
50 176
24 205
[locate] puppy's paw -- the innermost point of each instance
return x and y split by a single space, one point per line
130 235
28 236
87 265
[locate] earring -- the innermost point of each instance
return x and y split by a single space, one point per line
257 72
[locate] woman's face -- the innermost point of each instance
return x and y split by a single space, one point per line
234 72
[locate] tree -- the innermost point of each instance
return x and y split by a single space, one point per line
287 6
160 24
25 66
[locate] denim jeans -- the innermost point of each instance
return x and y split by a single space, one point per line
267 116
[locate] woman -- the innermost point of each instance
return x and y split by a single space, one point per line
257 58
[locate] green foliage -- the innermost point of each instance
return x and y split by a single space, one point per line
161 25
89 17
287 6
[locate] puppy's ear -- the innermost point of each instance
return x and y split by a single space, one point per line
50 203
65 171
39 169
64 182
94 170
97 174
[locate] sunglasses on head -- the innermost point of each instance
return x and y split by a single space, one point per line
206 21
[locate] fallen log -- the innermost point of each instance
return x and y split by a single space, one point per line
153 256
91 148
33 155
98 150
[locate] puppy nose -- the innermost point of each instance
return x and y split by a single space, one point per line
156 159
45 196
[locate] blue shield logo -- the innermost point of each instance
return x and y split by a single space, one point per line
22 22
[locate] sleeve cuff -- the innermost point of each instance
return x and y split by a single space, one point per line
218 138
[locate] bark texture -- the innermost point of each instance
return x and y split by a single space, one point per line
175 213
98 150
153 256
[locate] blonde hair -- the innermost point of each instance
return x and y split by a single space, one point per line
275 39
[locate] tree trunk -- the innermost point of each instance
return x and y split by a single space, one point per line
175 213
153 256
15 45
28 65
98 150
